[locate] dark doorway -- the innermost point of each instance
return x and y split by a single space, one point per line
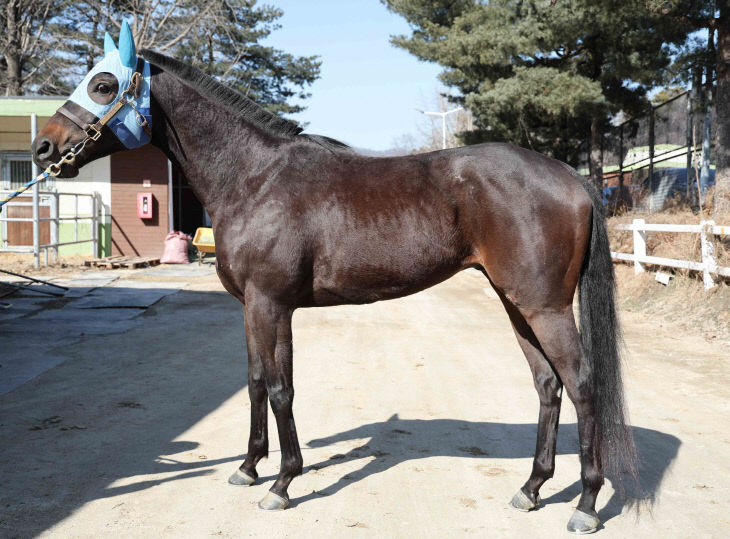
188 213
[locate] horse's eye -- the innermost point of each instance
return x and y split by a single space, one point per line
102 88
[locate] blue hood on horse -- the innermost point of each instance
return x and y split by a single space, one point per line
122 63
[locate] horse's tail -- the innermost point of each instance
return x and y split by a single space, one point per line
602 345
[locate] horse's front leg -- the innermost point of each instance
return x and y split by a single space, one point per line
258 441
268 329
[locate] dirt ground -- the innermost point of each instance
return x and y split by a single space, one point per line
416 418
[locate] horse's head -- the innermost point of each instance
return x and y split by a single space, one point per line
109 111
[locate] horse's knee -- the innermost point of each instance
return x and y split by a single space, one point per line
256 388
280 397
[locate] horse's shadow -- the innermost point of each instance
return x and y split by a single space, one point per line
399 440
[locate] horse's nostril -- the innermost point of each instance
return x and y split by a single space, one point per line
43 147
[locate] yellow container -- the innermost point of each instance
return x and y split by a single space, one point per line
204 242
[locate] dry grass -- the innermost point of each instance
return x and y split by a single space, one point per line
684 301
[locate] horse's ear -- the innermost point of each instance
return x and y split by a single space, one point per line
127 51
109 45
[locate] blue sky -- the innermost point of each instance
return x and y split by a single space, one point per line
368 89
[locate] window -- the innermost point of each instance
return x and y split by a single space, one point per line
16 170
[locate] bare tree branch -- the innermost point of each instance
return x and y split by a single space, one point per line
183 34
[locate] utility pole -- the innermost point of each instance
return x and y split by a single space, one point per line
443 121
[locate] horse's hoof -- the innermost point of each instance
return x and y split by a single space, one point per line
273 502
582 523
241 479
522 501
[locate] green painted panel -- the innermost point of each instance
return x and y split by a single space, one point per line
26 106
66 233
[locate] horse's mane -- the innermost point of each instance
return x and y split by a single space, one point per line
235 101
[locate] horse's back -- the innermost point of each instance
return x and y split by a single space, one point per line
388 227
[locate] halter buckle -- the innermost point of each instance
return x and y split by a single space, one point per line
92 132
54 170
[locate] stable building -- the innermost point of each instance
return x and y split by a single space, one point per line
140 195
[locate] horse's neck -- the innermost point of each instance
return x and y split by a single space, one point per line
216 150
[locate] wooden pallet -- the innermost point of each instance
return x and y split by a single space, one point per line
119 261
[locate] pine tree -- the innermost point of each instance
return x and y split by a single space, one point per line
543 74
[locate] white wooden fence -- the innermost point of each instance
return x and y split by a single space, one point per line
706 229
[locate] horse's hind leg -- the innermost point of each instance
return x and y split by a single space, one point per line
549 390
258 441
269 331
558 337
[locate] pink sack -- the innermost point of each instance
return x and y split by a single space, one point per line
176 248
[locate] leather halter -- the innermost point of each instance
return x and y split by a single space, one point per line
93 128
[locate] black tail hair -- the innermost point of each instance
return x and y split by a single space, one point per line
602 345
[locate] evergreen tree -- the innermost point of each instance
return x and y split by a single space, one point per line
221 37
704 58
543 74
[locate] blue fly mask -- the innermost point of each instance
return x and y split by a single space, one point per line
117 92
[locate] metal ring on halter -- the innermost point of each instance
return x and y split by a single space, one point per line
69 158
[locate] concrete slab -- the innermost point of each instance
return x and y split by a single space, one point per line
21 306
121 298
189 270
20 365
29 344
128 283
90 281
84 319
57 326
77 291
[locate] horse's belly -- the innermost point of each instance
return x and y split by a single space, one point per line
379 268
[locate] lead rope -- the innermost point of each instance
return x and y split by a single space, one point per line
51 172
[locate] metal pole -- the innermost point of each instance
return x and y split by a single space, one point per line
689 144
621 161
54 201
651 159
76 217
443 131
170 216
94 226
36 222
706 136
443 121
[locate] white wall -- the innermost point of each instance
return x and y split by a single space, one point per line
95 176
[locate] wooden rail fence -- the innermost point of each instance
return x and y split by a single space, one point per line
706 229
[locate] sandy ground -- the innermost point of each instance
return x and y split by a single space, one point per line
416 418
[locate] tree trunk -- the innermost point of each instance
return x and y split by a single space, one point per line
595 159
722 111
706 142
12 50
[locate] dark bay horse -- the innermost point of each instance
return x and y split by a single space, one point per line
303 221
